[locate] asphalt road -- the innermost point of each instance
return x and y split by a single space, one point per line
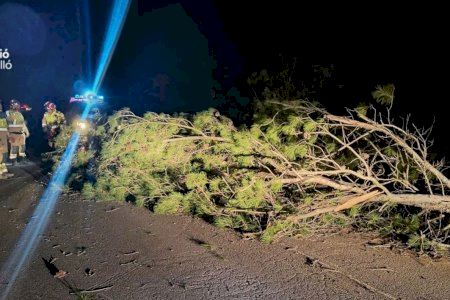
114 250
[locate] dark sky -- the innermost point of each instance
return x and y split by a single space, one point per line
369 43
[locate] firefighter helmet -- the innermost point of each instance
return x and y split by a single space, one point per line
49 105
14 104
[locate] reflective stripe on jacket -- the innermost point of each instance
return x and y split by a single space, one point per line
14 118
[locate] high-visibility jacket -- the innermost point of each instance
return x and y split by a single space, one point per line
14 117
16 122
55 118
3 122
3 136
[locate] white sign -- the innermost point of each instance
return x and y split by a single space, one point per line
5 61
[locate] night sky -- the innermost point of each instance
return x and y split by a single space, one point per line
368 44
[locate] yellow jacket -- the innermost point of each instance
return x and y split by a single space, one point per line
3 122
16 122
55 118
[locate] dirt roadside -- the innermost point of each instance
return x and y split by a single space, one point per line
117 251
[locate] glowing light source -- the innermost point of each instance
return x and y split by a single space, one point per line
89 96
29 238
82 126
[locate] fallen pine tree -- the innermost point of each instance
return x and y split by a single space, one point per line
298 170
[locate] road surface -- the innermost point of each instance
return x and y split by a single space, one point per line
114 250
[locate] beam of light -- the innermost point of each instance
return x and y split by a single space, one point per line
29 238
88 39
116 22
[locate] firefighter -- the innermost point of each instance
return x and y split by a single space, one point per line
3 144
52 122
17 130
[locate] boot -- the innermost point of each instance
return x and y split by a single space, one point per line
4 174
22 160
